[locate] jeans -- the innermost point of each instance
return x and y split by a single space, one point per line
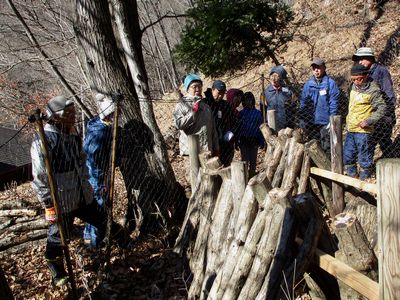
358 147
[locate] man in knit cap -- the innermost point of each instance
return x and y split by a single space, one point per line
366 108
379 73
71 177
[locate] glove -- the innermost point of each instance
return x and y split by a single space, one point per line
50 215
196 106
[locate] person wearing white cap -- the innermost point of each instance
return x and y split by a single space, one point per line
97 146
318 101
379 73
70 175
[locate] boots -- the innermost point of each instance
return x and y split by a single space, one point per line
58 274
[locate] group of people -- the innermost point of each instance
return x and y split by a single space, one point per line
221 127
80 173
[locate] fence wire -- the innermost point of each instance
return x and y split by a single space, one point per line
142 193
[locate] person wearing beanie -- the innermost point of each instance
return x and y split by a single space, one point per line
225 121
193 116
97 146
318 101
366 108
380 74
70 175
278 97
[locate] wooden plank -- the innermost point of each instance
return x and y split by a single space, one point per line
365 186
337 162
357 281
388 179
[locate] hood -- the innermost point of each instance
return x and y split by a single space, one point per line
279 70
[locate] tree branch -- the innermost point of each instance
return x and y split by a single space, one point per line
167 16
48 59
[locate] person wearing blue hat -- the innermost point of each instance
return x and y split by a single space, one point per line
193 116
379 73
225 121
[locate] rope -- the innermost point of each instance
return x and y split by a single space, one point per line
18 132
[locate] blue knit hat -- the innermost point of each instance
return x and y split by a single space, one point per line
189 79
280 70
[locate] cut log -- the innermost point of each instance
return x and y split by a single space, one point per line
272 161
354 250
211 185
247 213
270 139
23 247
267 245
39 223
366 214
321 160
17 240
276 181
293 164
5 222
18 212
315 291
244 262
239 172
218 231
305 206
13 204
304 174
191 220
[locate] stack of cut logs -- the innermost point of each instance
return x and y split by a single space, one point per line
21 226
256 239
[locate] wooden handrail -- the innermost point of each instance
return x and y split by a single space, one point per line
365 186
354 279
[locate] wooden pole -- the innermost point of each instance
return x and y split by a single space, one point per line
271 117
110 200
337 162
388 181
263 100
54 197
194 150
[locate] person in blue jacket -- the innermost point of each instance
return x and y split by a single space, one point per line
249 136
278 96
380 74
97 146
318 101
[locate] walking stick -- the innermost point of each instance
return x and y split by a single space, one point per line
109 203
35 117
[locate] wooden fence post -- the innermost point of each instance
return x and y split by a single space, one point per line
271 119
388 181
194 151
337 162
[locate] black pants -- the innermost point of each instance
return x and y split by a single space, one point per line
92 214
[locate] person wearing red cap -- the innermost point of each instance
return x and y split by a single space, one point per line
366 108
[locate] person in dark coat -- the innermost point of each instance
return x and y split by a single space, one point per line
380 74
